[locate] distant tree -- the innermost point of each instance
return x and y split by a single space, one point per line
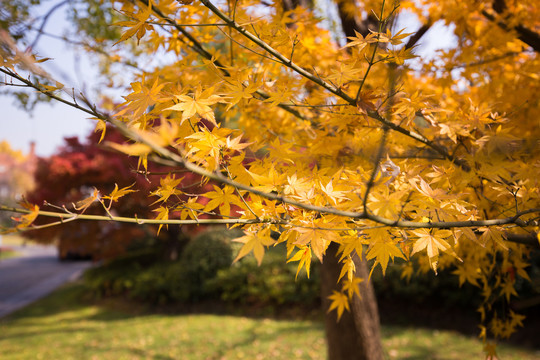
74 172
16 174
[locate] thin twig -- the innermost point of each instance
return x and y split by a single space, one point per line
44 22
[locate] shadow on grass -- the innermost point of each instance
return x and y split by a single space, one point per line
20 335
134 352
462 320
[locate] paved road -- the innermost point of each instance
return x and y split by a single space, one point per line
25 279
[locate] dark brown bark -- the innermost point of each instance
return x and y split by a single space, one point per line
175 241
289 5
499 6
530 239
356 336
525 34
292 4
350 23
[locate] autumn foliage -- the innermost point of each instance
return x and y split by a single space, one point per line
74 173
324 139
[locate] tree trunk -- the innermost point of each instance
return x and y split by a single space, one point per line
175 242
289 5
350 23
357 334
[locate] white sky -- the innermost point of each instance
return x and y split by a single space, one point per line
51 122
48 123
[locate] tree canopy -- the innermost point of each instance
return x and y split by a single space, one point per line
323 135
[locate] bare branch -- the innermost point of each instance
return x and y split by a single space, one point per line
526 239
413 40
44 22
133 220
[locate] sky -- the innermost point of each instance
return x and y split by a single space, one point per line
50 123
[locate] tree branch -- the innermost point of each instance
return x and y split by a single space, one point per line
413 40
333 89
44 22
526 35
526 239
133 220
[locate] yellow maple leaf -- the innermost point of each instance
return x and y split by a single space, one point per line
318 239
493 234
163 214
254 242
348 268
240 91
433 241
383 250
101 126
351 287
189 208
425 189
25 220
198 104
142 97
507 289
222 198
117 194
340 302
467 272
137 24
205 147
401 55
332 194
407 271
490 349
280 96
303 255
270 181
167 188
131 149
84 204
516 319
357 41
397 38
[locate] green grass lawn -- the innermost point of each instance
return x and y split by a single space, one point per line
62 326
7 253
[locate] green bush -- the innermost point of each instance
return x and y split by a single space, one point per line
160 284
204 271
118 276
203 257
143 275
272 283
